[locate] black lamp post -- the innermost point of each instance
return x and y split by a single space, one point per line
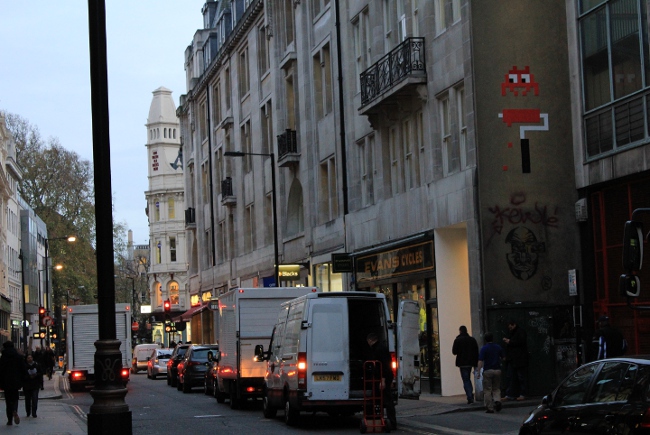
46 299
22 286
275 215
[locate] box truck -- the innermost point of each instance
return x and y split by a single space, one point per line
82 330
246 318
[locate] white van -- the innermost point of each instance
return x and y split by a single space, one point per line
317 350
141 355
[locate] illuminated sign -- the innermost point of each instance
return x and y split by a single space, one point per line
289 272
396 262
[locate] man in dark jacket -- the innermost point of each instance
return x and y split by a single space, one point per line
32 385
609 340
466 350
379 352
517 358
12 372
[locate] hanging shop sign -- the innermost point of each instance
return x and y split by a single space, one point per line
396 262
289 272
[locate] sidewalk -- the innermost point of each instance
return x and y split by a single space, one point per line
54 416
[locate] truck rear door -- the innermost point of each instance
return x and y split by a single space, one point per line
408 349
328 371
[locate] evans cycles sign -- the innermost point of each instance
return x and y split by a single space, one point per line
410 259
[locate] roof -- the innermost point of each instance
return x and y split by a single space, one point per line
187 315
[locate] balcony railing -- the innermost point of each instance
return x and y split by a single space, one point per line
288 148
190 216
407 59
227 196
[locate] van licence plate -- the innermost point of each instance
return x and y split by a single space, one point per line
335 378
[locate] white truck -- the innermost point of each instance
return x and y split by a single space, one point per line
246 318
82 330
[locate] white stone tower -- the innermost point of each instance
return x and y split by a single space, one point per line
165 208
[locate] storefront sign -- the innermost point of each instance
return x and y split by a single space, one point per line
289 272
342 263
396 262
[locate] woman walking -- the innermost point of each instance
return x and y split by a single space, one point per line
32 385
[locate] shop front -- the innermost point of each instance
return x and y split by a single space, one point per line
406 271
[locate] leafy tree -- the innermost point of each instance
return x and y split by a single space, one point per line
58 185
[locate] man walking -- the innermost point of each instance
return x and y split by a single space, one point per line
466 350
12 372
609 340
517 357
489 359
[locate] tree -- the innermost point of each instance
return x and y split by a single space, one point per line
58 185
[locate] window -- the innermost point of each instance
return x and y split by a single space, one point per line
157 212
157 288
323 82
367 169
449 137
173 293
613 383
203 122
231 236
205 176
158 252
455 10
396 155
172 249
267 127
222 247
208 247
295 210
249 229
290 100
171 211
415 11
390 21
318 6
462 125
441 23
328 197
243 73
246 146
411 156
615 66
218 170
227 89
216 104
361 29
401 21
573 390
263 50
286 23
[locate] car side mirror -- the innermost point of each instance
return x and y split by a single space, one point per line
259 353
217 357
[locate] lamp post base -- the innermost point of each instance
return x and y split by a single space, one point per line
109 414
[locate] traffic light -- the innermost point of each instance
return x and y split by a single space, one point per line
41 315
167 306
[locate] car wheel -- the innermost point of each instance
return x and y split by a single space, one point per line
215 388
174 381
179 385
290 414
267 409
205 388
186 388
169 379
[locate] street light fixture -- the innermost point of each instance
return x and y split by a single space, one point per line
275 215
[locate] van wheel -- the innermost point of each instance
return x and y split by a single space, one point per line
221 397
267 409
290 414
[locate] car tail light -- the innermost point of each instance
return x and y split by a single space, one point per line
124 373
250 389
302 370
393 364
645 421
192 363
77 375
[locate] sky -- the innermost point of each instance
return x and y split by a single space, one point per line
45 78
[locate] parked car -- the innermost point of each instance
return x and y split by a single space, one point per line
609 396
210 387
191 371
177 356
140 354
157 362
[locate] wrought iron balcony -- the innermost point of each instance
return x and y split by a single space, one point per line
288 148
190 216
227 196
403 62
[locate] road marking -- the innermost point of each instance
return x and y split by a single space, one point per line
208 416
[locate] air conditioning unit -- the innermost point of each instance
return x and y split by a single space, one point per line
582 214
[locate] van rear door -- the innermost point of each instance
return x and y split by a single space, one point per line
328 371
408 349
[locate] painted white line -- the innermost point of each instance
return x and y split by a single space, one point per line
208 416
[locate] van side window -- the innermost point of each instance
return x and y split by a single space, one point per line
279 330
294 320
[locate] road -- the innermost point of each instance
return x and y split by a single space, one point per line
159 408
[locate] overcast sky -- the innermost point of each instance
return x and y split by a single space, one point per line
45 78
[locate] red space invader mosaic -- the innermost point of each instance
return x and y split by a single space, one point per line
519 80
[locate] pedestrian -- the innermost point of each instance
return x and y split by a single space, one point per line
12 370
517 357
379 352
609 340
465 348
49 362
489 359
32 385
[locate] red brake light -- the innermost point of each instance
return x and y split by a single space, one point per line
393 364
302 370
77 374
125 373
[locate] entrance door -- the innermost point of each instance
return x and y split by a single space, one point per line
408 349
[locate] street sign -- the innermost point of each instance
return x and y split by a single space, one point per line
48 321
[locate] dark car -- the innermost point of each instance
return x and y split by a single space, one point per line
191 371
177 356
610 396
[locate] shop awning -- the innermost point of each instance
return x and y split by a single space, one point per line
187 315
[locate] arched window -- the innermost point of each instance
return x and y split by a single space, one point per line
157 291
174 133
165 133
173 292
295 210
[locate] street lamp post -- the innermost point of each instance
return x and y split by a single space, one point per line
273 204
46 298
